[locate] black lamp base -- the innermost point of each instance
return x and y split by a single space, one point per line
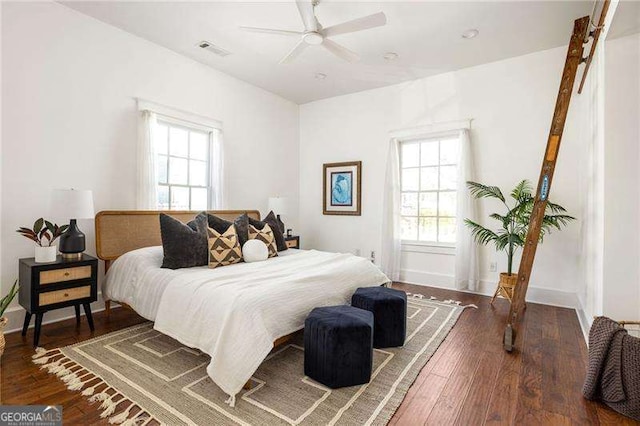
72 242
71 256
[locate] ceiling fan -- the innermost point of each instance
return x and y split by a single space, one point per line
315 34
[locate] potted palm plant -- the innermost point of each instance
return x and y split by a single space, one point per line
514 225
43 233
4 304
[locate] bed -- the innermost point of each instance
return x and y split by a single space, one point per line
235 314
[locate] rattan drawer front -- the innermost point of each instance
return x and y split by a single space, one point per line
66 274
60 296
292 243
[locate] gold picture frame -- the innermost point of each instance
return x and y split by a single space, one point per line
342 188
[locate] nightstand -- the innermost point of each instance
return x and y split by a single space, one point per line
292 241
48 286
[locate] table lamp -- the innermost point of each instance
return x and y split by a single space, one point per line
280 206
72 204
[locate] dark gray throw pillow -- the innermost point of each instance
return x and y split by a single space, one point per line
214 222
242 227
272 221
218 223
184 246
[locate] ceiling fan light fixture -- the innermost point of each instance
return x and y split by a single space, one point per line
469 34
390 56
313 38
320 76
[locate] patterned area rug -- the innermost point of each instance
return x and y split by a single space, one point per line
140 376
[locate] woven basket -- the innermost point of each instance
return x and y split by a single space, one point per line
3 323
507 285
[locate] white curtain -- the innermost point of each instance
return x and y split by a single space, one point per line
391 238
592 187
466 272
146 194
216 163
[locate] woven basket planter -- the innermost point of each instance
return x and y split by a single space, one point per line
506 286
3 323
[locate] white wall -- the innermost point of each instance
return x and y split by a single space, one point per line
511 103
621 288
69 120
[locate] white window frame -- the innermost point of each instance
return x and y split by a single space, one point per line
419 141
426 132
173 123
189 121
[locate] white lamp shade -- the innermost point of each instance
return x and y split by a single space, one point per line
72 204
279 205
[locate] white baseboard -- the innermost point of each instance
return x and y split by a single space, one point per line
545 296
585 323
426 278
15 315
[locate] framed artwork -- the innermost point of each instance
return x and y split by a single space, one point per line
342 188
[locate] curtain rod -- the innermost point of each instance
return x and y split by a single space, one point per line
177 113
439 127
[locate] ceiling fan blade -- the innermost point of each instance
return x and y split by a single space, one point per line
364 23
307 14
340 51
294 53
272 31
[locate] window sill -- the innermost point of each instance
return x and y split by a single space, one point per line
430 248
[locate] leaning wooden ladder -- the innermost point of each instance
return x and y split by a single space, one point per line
574 58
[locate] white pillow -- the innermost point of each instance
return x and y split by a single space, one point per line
254 251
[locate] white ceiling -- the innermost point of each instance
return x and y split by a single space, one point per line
425 35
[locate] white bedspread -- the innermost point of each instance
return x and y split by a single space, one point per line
235 313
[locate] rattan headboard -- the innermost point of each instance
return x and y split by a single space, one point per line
120 231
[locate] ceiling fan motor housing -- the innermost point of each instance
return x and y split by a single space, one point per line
313 38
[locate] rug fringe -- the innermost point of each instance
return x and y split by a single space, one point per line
136 420
109 405
70 373
40 358
231 401
39 352
123 416
448 301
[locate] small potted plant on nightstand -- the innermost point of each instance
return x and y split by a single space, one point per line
43 233
514 226
4 304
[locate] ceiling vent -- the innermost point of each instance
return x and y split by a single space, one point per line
207 45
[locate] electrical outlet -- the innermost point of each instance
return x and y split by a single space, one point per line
493 267
373 256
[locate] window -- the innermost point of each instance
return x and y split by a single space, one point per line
183 169
428 179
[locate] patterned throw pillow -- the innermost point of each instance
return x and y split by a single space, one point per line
266 236
224 248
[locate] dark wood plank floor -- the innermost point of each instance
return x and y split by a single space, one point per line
470 380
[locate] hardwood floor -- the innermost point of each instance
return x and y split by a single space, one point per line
470 380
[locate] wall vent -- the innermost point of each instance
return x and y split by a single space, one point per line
207 45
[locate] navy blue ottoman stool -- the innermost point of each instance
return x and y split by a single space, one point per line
389 309
338 347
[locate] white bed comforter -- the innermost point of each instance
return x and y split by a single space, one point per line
235 313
